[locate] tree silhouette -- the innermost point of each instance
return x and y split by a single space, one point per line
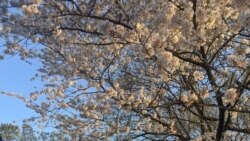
9 132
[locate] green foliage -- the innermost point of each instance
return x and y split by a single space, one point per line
9 132
28 134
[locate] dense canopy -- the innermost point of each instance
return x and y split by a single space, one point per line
136 69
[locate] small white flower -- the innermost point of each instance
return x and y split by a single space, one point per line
230 96
206 94
33 96
193 97
234 115
244 41
198 75
184 98
139 26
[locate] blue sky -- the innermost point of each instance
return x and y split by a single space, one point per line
15 77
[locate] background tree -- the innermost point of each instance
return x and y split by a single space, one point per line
1 139
28 134
43 136
134 69
9 132
51 136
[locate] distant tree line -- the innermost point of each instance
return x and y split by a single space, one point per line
12 132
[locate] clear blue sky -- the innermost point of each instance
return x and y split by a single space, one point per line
15 77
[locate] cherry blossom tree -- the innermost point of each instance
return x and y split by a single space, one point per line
136 69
